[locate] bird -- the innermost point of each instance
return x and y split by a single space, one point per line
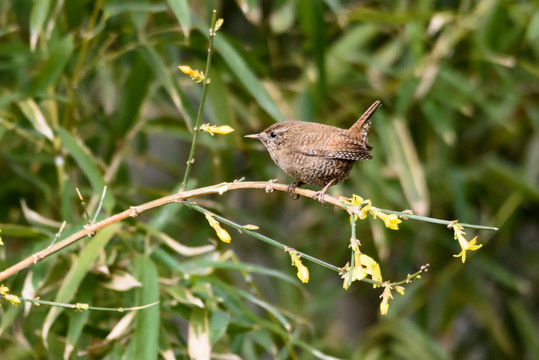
317 154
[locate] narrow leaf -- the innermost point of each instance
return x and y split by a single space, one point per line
180 8
146 332
76 274
37 18
36 117
243 73
53 68
85 161
198 343
165 77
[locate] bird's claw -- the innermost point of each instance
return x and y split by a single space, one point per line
292 188
320 197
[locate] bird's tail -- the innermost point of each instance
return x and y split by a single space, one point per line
360 129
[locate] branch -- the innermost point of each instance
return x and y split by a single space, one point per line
134 211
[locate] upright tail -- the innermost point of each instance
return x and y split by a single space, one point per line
360 129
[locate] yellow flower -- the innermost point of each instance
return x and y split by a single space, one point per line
358 201
346 276
195 75
303 272
219 23
386 295
81 306
250 227
12 299
399 289
3 289
464 244
364 266
222 234
391 221
212 129
372 268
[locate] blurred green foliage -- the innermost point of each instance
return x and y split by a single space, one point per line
90 94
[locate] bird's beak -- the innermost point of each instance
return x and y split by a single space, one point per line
253 136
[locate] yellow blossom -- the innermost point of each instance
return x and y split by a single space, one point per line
364 266
391 221
222 234
346 276
212 129
195 75
3 289
358 201
372 268
399 289
12 299
386 295
250 227
81 306
303 272
219 23
464 244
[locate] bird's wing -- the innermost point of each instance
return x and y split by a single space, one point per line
336 147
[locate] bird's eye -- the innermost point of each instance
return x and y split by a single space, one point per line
273 134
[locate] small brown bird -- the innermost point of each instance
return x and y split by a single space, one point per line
317 154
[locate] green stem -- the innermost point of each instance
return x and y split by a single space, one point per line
202 101
260 236
84 307
437 221
284 247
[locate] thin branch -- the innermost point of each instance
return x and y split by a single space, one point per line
84 306
134 211
205 84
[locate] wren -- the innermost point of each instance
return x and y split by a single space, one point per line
317 154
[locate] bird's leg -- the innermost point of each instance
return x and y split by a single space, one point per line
319 195
292 188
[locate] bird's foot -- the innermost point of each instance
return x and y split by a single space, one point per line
292 188
320 195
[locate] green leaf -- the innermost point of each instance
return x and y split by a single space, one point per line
16 230
76 274
243 73
86 163
33 113
162 72
198 342
78 319
219 321
146 331
180 8
37 18
54 66
133 95
404 159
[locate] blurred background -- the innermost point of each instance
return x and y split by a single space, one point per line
90 94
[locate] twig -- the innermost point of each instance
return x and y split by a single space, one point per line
220 189
202 101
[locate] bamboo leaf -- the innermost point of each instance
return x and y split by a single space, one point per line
33 113
55 65
243 73
86 163
146 332
180 8
198 343
76 274
38 15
